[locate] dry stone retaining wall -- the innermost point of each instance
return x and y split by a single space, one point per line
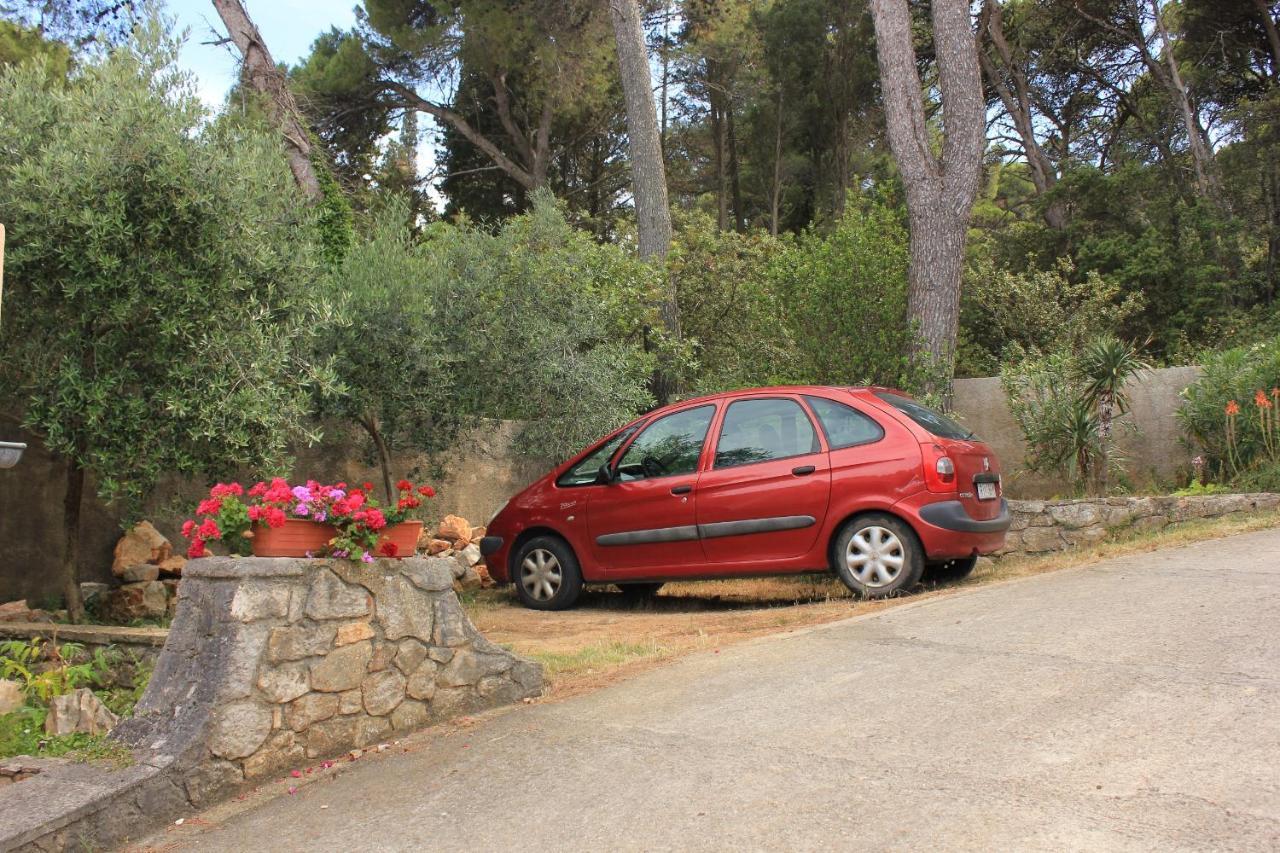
1043 526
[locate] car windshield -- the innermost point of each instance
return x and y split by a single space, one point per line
588 470
936 423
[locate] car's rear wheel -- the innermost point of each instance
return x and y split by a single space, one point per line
639 591
946 571
546 574
877 556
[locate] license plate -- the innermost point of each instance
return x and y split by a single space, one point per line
986 491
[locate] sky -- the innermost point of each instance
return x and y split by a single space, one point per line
287 26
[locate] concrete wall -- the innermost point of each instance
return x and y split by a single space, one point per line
1154 449
479 474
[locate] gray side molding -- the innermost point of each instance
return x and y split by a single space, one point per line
755 525
649 537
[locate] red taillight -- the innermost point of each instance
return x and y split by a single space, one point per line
939 469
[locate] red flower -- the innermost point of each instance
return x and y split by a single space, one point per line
1233 408
426 491
374 519
187 527
209 530
404 486
368 487
209 506
390 549
275 517
342 486
355 500
196 550
256 512
259 489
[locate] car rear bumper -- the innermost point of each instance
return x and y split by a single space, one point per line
947 531
951 515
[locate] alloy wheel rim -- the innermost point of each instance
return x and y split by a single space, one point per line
875 556
540 574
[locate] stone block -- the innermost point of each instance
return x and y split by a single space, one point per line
331 598
300 641
1076 514
350 702
382 691
139 573
431 574
329 737
284 682
409 715
1036 540
280 752
450 622
422 683
383 654
468 667
371 729
209 780
343 669
146 600
404 611
79 711
255 601
310 709
239 729
409 655
353 632
11 698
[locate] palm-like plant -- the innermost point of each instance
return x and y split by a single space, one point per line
1105 366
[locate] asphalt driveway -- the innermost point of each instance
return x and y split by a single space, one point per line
1130 705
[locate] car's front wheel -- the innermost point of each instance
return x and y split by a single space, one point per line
546 574
877 556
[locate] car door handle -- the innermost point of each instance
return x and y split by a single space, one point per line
803 470
681 490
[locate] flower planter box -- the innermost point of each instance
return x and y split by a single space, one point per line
300 537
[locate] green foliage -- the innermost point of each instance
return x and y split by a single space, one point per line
334 224
159 318
45 670
20 44
1235 447
1044 310
545 326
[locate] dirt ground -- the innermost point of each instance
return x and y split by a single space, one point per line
605 638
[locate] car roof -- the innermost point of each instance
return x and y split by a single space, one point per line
772 389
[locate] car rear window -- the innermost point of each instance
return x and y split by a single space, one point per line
935 422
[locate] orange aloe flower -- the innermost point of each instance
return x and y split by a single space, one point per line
1260 399
1233 408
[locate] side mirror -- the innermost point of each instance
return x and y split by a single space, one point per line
604 476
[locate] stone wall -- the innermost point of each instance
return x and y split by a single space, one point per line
273 661
1043 526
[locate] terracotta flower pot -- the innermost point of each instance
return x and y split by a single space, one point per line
297 538
404 536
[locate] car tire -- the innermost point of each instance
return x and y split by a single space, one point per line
546 575
639 591
877 556
947 571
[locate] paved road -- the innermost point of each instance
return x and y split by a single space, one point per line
1132 705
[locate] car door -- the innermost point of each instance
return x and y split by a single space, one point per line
645 519
765 494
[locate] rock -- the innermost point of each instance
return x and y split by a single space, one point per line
451 623
470 554
11 698
142 544
331 736
172 566
140 573
343 669
455 529
410 714
18 611
438 546
350 702
404 611
284 682
353 632
486 580
1075 515
89 590
254 601
371 729
310 709
431 575
135 601
383 655
79 711
239 728
330 598
477 533
409 655
299 641
422 684
1039 539
468 667
280 751
382 691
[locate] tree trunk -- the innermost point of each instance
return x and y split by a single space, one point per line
1106 412
71 504
648 173
384 456
1273 35
735 183
940 190
775 194
1197 141
265 77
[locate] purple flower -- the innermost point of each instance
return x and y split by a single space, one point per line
302 493
301 509
340 553
337 494
366 557
309 555
319 516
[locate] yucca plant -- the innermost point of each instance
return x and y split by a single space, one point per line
1104 368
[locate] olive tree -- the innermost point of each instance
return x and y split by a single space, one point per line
157 269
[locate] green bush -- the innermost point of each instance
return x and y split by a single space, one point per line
1240 449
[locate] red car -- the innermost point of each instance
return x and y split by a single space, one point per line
864 482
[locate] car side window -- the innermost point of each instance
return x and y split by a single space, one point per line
669 446
760 430
586 471
844 425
